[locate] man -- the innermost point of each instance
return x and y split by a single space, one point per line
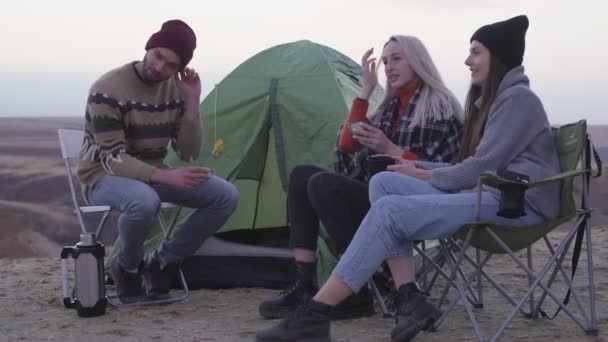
132 114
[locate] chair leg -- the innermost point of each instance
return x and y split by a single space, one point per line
593 324
556 269
469 284
585 205
453 281
433 279
431 265
385 311
102 223
569 282
479 268
530 281
168 229
424 275
479 303
537 281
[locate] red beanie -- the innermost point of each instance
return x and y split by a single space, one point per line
177 36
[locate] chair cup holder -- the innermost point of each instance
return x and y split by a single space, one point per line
512 201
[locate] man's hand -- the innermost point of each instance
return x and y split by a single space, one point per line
189 85
187 177
375 139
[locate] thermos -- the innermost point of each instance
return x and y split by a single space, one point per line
89 295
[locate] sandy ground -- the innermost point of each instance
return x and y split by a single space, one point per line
30 291
36 219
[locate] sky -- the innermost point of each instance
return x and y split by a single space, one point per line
52 51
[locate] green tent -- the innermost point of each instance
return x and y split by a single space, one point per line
280 108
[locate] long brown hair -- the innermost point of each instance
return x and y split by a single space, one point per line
476 113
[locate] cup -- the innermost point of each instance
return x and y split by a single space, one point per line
354 126
377 163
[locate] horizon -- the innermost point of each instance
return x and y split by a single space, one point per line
48 67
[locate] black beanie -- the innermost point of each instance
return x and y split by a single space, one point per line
506 40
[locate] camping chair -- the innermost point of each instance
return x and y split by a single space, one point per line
71 142
572 143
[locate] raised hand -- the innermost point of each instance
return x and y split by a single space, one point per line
189 84
369 75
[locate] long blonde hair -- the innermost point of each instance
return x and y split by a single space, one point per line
436 101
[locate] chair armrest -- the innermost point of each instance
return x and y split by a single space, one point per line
558 177
492 179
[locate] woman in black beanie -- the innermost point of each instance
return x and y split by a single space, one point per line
495 49
506 128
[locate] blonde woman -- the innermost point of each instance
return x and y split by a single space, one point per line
419 118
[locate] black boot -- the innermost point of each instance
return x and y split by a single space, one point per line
308 323
299 292
360 304
129 287
158 280
414 313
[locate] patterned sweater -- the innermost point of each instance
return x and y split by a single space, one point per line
129 124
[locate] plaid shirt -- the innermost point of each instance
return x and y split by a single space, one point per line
435 140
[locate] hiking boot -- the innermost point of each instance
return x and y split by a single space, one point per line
298 293
128 285
413 313
308 323
158 279
357 305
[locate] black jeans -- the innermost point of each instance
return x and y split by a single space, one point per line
339 202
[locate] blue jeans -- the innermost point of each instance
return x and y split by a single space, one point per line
139 202
405 209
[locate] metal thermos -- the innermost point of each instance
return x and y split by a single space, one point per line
88 296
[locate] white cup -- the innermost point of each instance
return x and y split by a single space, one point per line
354 126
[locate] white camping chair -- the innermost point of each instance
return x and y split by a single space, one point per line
71 142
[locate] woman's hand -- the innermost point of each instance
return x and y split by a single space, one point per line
369 75
374 139
408 167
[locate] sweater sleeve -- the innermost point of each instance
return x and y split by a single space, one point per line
429 165
358 111
109 134
187 138
510 128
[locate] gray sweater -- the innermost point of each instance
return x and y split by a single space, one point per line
517 137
